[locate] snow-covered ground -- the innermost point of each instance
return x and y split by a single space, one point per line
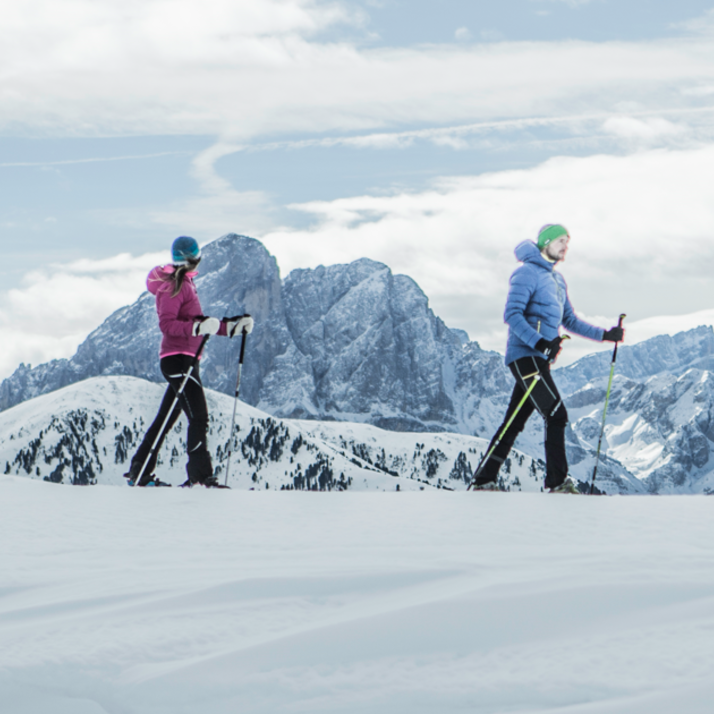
173 601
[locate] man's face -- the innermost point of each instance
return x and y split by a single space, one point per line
557 249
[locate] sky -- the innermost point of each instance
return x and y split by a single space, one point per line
433 137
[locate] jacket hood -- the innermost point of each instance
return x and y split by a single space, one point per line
160 275
527 252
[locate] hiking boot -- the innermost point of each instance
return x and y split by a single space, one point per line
146 479
213 482
568 486
131 474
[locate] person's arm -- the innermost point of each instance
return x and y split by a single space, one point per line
572 323
520 291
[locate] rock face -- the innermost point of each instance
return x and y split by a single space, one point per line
661 354
358 343
661 429
660 423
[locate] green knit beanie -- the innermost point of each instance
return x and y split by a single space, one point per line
549 232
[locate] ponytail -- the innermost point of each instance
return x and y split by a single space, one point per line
177 278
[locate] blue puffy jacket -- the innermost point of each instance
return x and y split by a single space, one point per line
538 305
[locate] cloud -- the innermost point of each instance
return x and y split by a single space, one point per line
642 229
243 212
92 160
638 123
58 306
703 25
463 34
218 209
647 130
265 67
700 91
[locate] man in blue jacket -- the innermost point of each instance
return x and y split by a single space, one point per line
536 307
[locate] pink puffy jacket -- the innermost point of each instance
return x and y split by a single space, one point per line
177 315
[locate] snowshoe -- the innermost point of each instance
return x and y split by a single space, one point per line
489 486
146 480
155 481
568 486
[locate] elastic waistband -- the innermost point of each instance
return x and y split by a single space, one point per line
171 354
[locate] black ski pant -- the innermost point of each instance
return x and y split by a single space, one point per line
193 404
546 400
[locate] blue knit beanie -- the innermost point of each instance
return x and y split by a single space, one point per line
185 250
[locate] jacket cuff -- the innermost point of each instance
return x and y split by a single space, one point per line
534 339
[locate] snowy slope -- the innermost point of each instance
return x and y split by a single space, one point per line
86 433
146 601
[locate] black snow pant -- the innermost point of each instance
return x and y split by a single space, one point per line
546 399
193 403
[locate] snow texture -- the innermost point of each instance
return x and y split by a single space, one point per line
177 601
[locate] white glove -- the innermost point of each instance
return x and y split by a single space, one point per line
206 326
239 323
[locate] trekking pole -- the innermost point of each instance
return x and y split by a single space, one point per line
235 403
159 440
536 378
604 411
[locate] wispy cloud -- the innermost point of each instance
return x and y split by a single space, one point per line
702 25
648 122
95 159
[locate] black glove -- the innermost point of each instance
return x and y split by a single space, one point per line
550 348
614 334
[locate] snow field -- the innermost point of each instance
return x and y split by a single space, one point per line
129 601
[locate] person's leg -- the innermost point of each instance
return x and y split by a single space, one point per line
546 399
556 419
489 471
193 403
142 452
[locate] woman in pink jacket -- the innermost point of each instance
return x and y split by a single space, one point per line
183 326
